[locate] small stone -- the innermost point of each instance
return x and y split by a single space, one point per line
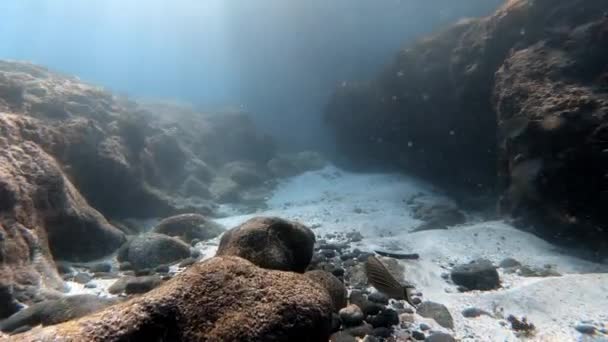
335 322
142 272
509 263
351 315
586 329
406 318
125 266
354 236
363 257
360 330
474 312
195 253
385 318
64 268
142 284
370 338
479 274
328 253
338 272
440 337
371 308
382 332
341 336
424 327
349 263
90 285
418 335
438 312
101 267
378 297
82 278
105 275
416 300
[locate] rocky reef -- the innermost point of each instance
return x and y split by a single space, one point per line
510 108
77 163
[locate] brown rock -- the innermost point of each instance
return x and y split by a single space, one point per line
222 299
270 242
333 286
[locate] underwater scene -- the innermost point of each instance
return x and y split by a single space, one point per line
316 170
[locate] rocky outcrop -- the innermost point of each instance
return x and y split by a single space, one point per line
42 215
222 299
511 105
270 242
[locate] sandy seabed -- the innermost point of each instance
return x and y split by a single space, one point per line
332 200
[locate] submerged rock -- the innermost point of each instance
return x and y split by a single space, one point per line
150 250
440 337
55 311
351 315
218 299
270 242
188 227
438 312
479 274
335 288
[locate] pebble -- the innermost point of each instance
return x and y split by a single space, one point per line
586 329
82 278
360 330
424 327
341 336
328 253
90 285
509 262
349 263
338 272
378 297
418 335
143 272
385 318
382 332
474 312
440 337
101 267
125 266
351 315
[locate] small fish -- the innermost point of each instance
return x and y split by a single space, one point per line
380 278
400 256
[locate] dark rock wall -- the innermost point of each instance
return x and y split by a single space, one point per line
510 106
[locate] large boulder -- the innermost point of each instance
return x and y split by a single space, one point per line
222 299
512 105
43 218
552 103
149 250
270 242
188 227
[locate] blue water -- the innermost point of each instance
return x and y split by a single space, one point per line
278 59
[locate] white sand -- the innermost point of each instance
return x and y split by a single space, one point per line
330 196
327 199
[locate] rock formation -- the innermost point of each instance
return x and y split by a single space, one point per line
512 106
222 299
